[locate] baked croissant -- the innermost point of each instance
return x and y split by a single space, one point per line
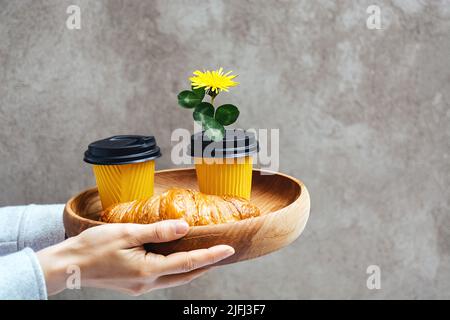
196 208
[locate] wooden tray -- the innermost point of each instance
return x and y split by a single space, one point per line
283 201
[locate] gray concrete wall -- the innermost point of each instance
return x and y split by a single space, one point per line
364 118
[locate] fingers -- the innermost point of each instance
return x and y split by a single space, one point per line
137 288
164 231
182 262
178 279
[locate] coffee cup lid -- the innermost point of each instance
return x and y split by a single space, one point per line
236 143
122 149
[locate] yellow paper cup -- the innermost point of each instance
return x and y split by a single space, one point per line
124 167
225 167
125 182
225 178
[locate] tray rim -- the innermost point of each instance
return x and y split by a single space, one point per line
303 196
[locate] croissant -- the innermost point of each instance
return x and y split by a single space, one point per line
196 208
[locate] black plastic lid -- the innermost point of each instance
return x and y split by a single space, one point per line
122 150
236 143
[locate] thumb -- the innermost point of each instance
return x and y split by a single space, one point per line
163 231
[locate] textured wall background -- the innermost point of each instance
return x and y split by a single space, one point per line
364 117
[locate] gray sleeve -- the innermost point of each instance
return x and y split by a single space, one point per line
21 277
22 230
33 226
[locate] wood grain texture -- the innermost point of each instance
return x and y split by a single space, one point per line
284 203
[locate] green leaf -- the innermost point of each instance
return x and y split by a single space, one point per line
188 99
213 129
227 114
203 109
200 92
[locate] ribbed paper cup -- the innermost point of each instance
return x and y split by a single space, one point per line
225 167
232 178
124 167
124 182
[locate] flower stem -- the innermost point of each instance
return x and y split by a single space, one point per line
212 100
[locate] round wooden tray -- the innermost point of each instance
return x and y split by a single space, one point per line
283 201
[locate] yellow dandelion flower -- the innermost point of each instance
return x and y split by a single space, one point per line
214 81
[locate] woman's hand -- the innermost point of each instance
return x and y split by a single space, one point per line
112 256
